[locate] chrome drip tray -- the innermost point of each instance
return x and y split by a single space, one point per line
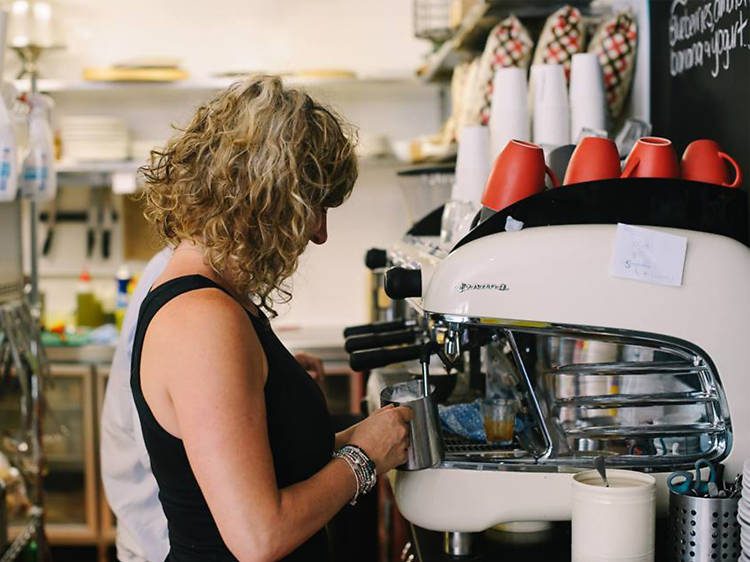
464 454
460 448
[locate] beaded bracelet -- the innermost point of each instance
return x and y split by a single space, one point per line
361 466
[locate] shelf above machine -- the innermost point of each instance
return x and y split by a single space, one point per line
72 171
211 83
471 34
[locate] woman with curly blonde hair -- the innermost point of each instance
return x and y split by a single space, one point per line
238 435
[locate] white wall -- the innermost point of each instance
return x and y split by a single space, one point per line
221 35
367 37
331 286
364 36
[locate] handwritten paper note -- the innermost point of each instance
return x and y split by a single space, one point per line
648 255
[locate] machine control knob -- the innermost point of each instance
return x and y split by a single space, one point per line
401 283
376 258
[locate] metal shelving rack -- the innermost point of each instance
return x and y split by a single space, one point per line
23 358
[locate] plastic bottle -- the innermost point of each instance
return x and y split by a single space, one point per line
87 309
38 176
121 301
8 156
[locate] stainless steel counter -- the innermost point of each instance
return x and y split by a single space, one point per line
87 354
326 342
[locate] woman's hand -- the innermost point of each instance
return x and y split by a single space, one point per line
313 365
384 436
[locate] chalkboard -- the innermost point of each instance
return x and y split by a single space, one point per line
700 74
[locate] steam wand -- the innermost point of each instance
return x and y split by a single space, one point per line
424 358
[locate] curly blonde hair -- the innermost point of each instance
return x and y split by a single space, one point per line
247 179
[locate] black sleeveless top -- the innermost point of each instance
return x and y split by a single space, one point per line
299 431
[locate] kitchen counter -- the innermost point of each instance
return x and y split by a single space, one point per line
326 342
87 354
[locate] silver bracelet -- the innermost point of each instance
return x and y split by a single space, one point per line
361 466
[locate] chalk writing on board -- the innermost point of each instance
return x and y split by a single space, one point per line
705 34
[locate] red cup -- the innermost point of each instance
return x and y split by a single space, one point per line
518 173
704 161
652 157
595 158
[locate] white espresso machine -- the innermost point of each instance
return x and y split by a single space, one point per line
650 376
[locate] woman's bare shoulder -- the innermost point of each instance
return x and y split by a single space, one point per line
202 328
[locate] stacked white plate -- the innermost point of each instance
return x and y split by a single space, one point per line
743 514
94 138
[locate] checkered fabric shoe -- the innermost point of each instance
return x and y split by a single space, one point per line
508 44
615 43
562 37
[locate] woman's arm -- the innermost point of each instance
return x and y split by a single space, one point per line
214 373
344 437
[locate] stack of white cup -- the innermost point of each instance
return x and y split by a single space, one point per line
509 112
560 117
588 109
472 164
472 170
551 110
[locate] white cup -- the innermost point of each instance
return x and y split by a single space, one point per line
587 99
551 110
551 127
615 523
509 112
456 222
472 164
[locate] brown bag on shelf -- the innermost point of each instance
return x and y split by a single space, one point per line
615 43
563 36
508 44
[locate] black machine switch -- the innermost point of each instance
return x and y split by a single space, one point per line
401 283
375 258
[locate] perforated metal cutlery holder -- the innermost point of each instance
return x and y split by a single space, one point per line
703 529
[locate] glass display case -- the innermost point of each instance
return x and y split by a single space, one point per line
70 479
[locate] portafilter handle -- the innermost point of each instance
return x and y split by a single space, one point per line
373 358
372 341
379 327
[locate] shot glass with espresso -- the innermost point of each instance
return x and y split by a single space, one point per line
498 416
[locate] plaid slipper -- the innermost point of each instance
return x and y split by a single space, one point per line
508 44
615 43
562 37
